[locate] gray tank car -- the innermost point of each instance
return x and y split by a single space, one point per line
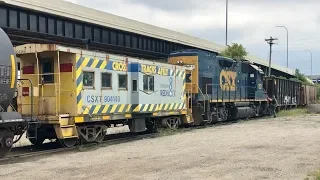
11 122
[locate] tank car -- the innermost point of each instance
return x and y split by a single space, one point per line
220 88
11 122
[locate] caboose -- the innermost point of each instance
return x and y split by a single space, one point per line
76 94
220 88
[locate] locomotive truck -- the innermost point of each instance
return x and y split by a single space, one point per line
73 95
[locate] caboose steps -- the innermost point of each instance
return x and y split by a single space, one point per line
66 131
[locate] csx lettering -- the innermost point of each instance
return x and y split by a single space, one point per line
228 80
118 66
94 99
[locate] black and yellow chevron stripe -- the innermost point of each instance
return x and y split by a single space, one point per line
170 106
128 108
181 74
107 109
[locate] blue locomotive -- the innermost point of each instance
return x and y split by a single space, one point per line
220 88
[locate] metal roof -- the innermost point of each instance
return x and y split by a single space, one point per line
81 13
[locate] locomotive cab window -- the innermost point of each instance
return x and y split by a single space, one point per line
88 79
106 80
47 70
123 81
148 83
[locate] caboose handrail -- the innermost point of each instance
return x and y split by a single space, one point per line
31 92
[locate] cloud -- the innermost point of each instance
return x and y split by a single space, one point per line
250 22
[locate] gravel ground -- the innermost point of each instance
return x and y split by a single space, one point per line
281 148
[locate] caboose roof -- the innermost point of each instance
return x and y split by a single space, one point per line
33 48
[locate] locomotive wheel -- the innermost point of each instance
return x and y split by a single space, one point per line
172 122
100 137
68 142
6 142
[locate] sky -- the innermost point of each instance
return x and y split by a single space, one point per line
250 22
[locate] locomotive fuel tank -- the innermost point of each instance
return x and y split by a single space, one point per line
8 71
241 112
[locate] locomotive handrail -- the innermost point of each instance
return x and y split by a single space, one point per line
204 99
207 91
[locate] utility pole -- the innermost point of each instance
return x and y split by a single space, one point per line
227 22
270 42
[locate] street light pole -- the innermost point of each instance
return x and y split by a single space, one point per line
311 60
287 44
227 22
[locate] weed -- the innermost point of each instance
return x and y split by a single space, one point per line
293 112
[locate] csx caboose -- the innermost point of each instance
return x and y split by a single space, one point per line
77 94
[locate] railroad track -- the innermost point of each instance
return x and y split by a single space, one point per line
15 156
112 139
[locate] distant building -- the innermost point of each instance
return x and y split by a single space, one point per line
315 78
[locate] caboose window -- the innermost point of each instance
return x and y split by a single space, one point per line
122 81
47 70
106 80
148 83
88 79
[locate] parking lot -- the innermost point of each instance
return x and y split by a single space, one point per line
280 148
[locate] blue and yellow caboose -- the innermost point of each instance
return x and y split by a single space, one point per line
77 94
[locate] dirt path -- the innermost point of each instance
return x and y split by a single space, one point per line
282 148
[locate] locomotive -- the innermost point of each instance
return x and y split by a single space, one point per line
73 95
221 88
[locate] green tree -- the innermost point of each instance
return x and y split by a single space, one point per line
235 51
301 76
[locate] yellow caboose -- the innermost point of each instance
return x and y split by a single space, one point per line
76 94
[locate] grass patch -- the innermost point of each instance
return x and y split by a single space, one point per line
293 112
314 176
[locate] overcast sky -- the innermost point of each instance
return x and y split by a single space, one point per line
250 22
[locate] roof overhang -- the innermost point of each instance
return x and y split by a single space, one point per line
81 13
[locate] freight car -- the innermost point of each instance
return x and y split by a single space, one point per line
11 123
289 93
